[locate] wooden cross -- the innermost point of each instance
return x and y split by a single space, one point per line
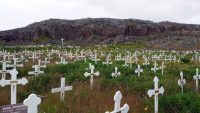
146 62
117 108
62 42
32 103
62 61
156 91
155 67
116 73
162 67
91 74
49 57
62 89
13 82
181 81
34 56
39 65
108 59
95 59
4 71
36 72
46 61
138 70
15 65
197 78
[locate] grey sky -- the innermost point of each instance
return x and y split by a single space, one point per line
19 13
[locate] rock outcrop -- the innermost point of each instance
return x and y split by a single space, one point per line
104 31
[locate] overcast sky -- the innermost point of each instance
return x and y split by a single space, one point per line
19 13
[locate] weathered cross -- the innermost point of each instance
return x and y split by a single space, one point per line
155 68
32 103
116 73
197 78
156 91
34 56
46 61
91 74
108 59
181 81
162 67
13 82
95 59
62 42
138 70
15 65
117 108
62 89
36 72
146 62
62 61
4 71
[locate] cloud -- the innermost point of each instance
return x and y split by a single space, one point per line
19 13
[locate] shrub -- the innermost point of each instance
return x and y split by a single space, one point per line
180 103
185 60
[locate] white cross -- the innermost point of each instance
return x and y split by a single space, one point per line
36 72
155 92
39 65
4 71
181 81
155 67
138 70
62 89
162 67
108 59
62 42
46 61
34 56
13 82
91 74
118 57
95 59
117 108
62 61
49 57
136 60
15 65
197 78
32 103
82 55
146 62
116 73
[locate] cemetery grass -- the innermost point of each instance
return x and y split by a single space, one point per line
100 99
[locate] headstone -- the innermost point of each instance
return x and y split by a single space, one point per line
14 108
32 103
117 107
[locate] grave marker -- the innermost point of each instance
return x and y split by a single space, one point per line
62 89
156 91
13 82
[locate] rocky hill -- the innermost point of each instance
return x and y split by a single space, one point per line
105 31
